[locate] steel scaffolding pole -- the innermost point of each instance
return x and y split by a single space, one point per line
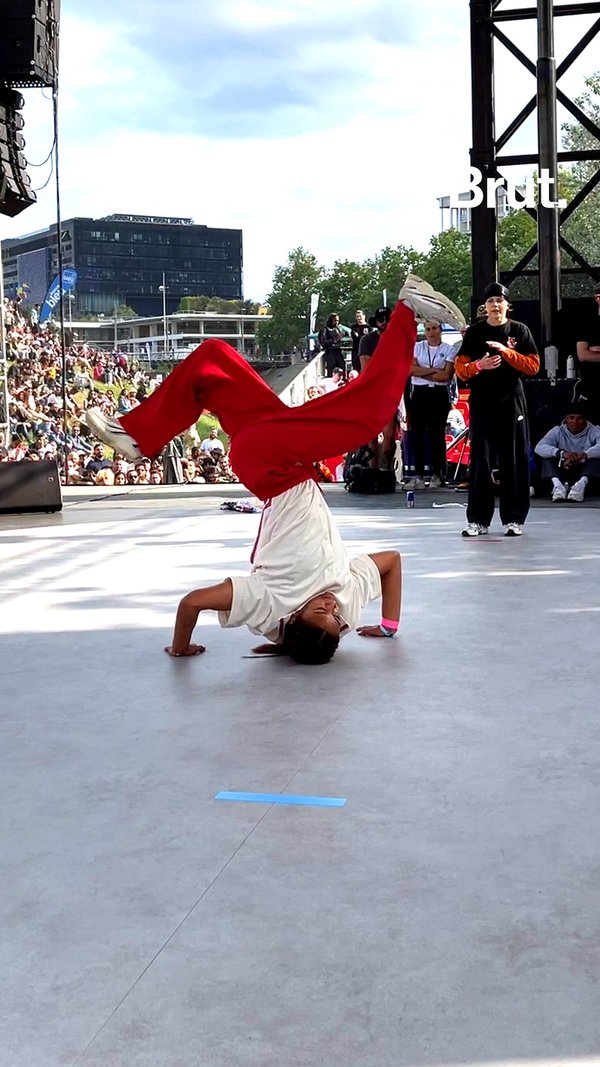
484 238
547 217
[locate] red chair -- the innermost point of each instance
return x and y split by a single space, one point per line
458 449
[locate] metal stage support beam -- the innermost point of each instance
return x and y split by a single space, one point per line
488 151
548 243
484 232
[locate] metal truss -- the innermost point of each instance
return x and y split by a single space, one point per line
490 21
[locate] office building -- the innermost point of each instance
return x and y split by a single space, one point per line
121 259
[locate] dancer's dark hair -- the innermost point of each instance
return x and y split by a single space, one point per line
303 643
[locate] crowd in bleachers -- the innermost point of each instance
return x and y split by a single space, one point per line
46 415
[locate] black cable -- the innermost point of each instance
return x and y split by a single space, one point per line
44 161
39 188
53 36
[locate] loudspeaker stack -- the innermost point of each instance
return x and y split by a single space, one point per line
30 486
29 42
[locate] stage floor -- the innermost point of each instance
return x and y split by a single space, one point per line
446 914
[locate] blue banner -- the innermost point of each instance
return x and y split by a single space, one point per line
69 281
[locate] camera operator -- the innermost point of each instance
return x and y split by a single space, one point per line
384 453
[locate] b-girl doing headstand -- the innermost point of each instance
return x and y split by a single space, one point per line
302 593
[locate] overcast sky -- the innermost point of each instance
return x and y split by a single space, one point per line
332 124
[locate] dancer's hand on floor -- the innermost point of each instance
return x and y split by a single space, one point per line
369 631
191 650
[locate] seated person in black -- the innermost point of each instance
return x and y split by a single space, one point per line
588 354
384 453
330 339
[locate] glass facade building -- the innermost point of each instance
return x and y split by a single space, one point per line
121 259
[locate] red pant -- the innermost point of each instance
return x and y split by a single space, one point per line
274 446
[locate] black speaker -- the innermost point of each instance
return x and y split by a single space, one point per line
16 193
29 42
547 403
30 485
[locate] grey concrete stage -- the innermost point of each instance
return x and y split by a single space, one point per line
449 913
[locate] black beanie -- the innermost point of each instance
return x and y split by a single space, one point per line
495 289
578 407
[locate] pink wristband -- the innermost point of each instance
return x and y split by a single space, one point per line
390 624
478 364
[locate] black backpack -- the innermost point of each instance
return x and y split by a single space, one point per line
360 478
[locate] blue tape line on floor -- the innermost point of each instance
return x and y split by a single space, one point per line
279 798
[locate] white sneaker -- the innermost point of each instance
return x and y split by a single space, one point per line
112 433
576 493
474 529
559 493
429 305
513 530
436 482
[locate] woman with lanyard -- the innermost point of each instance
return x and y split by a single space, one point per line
494 356
431 371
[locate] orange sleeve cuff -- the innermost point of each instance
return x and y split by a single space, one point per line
465 367
526 364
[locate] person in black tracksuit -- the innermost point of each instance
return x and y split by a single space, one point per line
494 355
384 454
330 339
588 354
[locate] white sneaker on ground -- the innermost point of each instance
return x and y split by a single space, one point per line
559 493
513 530
474 529
112 433
576 493
429 305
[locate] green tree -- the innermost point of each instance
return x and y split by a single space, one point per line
123 311
582 229
389 269
576 137
517 232
350 285
289 301
347 287
193 304
447 266
201 304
